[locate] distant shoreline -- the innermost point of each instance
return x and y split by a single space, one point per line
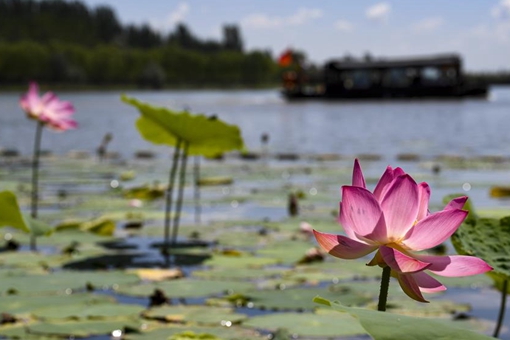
133 87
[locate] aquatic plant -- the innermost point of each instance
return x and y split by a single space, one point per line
10 215
49 111
189 135
394 220
488 238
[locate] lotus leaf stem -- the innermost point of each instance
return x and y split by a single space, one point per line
178 208
502 307
169 193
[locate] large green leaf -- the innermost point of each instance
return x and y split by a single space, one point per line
206 136
10 215
489 239
388 326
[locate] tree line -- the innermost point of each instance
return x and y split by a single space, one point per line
66 42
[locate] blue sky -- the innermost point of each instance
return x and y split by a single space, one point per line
477 29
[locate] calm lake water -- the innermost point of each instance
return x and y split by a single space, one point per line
468 127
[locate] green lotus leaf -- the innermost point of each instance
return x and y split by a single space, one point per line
437 308
64 282
288 252
10 215
308 324
94 311
31 260
201 315
166 331
185 288
206 136
37 227
389 326
16 304
214 181
100 226
301 298
82 328
489 239
244 261
239 273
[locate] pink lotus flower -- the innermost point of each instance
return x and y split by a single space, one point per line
48 109
306 228
395 221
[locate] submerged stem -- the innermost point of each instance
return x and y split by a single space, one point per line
35 179
383 293
169 193
196 173
177 216
502 308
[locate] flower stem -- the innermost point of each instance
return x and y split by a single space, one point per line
35 179
169 194
383 293
502 308
178 208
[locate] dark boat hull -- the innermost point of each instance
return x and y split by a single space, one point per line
409 93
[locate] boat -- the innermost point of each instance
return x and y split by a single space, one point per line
437 76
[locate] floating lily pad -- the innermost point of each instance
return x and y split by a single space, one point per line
224 333
81 328
64 282
437 308
212 181
288 252
24 304
239 274
31 260
95 311
302 298
245 261
185 288
308 324
334 271
201 315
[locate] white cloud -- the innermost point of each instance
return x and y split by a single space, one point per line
379 12
343 25
501 10
176 16
300 17
428 24
179 14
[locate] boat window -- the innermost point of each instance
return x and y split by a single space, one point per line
451 73
431 75
357 79
397 77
